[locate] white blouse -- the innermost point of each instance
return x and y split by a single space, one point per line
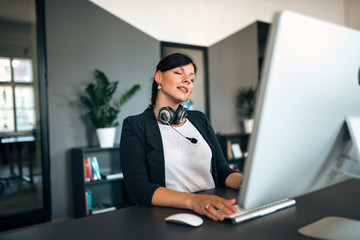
187 165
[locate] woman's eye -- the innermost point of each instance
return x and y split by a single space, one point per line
178 73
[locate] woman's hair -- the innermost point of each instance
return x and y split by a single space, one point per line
172 61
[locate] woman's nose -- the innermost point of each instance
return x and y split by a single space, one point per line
187 79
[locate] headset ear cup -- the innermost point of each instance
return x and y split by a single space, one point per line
180 114
166 115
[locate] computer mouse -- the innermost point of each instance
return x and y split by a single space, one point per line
186 219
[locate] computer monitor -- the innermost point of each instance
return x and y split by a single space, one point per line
310 85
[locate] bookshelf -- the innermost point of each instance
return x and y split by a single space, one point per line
92 195
234 147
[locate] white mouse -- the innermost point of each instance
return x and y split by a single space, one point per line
186 219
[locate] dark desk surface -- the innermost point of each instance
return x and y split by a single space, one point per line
141 222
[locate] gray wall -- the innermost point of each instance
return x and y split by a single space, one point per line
82 37
233 63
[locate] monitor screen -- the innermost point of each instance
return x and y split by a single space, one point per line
310 85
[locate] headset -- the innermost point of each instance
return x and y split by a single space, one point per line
169 117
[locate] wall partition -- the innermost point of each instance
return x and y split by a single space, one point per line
24 151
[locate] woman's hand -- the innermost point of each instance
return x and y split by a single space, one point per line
209 205
202 204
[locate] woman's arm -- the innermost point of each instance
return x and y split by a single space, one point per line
169 198
133 162
234 180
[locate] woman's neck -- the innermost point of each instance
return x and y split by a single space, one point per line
159 105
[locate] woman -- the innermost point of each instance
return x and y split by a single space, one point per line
161 166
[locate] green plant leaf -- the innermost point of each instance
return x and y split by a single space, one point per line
102 79
87 102
103 112
246 98
126 96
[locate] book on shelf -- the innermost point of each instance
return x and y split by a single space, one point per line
233 150
91 169
88 202
103 208
113 175
95 169
228 149
236 150
87 169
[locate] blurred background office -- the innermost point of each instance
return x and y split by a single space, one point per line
48 57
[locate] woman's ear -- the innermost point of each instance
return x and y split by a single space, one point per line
158 77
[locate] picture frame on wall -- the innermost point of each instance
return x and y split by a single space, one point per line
199 99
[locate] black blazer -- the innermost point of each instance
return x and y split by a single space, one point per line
142 155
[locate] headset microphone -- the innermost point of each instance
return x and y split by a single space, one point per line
168 116
192 140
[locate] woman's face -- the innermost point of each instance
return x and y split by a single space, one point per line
177 84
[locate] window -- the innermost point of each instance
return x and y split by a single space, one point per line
17 102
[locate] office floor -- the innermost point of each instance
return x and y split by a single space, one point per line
18 195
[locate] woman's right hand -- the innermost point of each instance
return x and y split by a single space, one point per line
209 205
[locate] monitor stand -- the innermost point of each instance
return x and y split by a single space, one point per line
352 125
332 228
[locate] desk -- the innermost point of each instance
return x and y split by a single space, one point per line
14 149
141 222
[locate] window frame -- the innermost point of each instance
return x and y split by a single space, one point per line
13 84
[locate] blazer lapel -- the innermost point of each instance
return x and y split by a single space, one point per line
155 152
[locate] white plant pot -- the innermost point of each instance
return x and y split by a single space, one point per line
106 136
248 125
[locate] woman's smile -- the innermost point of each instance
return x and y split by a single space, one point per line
183 89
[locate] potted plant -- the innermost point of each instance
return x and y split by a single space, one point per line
246 98
103 111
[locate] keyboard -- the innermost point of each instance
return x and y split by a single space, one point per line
243 215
